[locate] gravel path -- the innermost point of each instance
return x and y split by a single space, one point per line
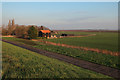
115 73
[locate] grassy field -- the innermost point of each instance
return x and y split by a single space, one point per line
99 58
76 33
22 63
102 40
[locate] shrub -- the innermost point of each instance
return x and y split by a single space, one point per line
32 33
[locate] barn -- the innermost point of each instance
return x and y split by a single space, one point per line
44 33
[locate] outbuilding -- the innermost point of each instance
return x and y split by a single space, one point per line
44 33
63 34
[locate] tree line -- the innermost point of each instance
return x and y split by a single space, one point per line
21 31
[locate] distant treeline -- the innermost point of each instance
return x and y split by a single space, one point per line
21 31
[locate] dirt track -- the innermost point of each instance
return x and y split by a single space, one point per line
83 48
81 63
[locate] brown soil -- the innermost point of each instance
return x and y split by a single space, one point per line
8 36
83 48
78 47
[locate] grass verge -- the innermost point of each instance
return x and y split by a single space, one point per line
22 63
99 58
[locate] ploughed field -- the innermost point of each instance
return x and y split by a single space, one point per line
102 40
21 63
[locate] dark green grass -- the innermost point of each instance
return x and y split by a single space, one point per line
99 58
22 63
102 40
23 41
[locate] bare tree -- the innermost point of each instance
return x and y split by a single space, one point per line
21 31
4 30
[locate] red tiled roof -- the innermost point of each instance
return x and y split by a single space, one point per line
45 31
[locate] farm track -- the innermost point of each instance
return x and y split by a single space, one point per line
83 48
81 63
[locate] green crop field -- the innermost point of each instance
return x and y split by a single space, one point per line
76 33
102 40
22 63
99 58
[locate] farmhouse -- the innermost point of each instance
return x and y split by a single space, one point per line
44 33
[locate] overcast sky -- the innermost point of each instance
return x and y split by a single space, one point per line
63 15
